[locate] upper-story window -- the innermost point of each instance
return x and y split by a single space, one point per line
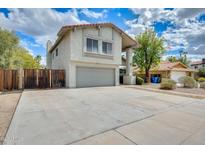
92 45
57 52
107 48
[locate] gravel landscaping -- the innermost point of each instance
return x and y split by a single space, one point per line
197 91
8 103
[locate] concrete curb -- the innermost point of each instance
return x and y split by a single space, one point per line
168 92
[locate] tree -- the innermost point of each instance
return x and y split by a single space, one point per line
8 42
23 59
201 72
149 52
183 58
13 56
172 59
38 61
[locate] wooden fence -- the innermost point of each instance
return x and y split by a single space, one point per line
57 78
31 78
9 79
44 78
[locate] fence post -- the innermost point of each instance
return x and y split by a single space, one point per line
50 78
1 79
37 77
20 73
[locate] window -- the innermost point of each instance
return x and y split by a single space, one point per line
57 52
92 45
107 48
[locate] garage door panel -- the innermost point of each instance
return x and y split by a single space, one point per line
92 77
176 75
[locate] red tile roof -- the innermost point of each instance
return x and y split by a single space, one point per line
93 25
165 66
168 65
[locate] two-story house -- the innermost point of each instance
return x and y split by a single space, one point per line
198 64
91 54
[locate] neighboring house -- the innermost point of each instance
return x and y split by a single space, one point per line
198 64
168 70
91 54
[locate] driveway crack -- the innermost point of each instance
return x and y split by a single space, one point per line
124 136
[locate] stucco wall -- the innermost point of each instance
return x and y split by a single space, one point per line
78 45
198 66
63 59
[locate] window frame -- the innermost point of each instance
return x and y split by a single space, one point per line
92 45
107 52
56 52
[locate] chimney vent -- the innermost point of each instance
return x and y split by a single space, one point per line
48 45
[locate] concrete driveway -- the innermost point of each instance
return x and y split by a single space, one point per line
106 115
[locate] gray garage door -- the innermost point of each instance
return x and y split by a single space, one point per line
93 77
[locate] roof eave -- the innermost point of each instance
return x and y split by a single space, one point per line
64 29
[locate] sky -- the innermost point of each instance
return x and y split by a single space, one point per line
182 29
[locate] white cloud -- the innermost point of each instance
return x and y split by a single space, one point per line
42 24
135 29
43 60
146 18
195 57
189 13
93 14
24 43
191 36
188 33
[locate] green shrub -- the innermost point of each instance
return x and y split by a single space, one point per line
168 84
168 80
201 79
201 72
188 82
164 79
171 81
202 85
139 80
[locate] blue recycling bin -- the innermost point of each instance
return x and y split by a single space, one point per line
152 79
155 79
